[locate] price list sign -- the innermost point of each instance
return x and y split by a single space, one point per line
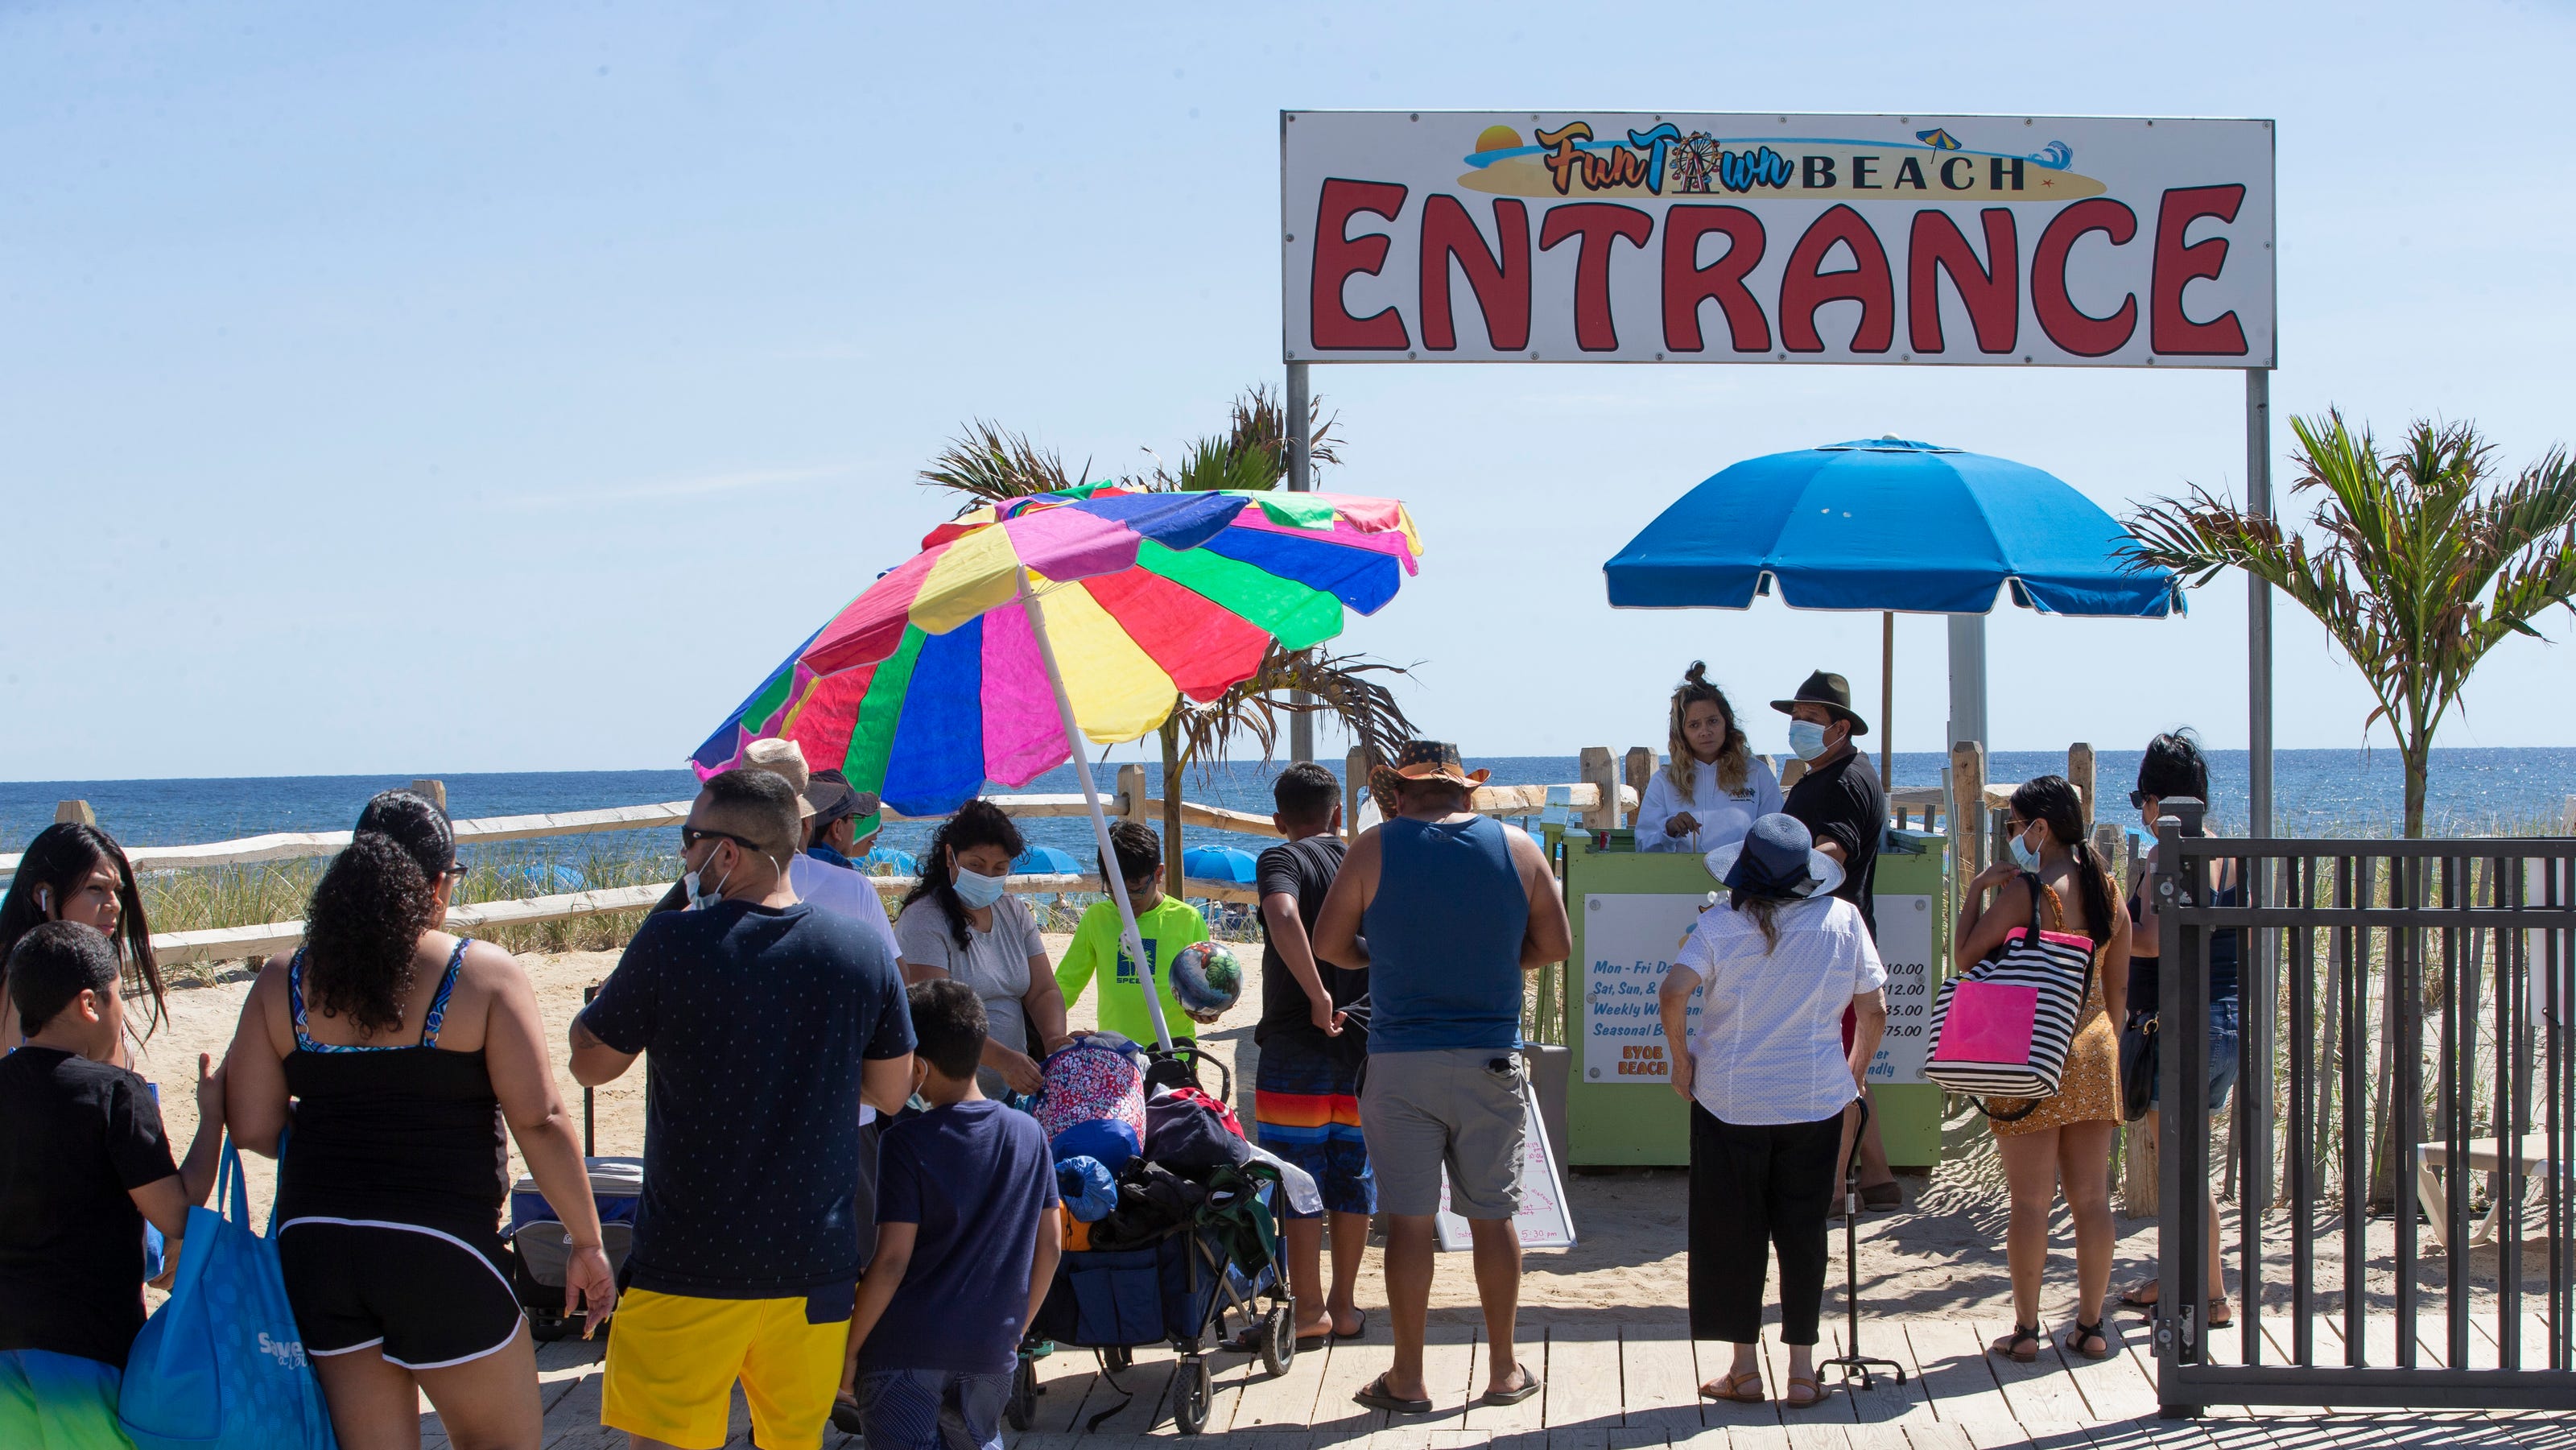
1905 945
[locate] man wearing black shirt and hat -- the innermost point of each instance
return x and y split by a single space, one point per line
1839 799
1841 802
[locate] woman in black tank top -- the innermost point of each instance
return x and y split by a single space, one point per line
383 1064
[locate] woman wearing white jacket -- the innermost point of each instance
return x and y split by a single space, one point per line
1715 787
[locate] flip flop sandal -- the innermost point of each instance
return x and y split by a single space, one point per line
1317 1341
1356 1333
1817 1398
1378 1397
2083 1334
1530 1384
2022 1347
1734 1391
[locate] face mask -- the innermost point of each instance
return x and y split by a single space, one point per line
1806 738
2023 855
975 889
702 895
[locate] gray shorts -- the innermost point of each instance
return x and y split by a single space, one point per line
1447 1107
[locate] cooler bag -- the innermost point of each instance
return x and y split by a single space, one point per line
2004 1027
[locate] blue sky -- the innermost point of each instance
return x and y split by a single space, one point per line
479 387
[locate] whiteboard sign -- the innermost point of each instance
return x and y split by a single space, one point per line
1905 946
1629 941
1544 1220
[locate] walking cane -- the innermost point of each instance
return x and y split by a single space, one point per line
1855 1362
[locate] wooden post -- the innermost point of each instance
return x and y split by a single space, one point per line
1887 701
1638 769
75 813
1791 770
2079 769
1355 768
436 790
1131 793
1967 819
1600 771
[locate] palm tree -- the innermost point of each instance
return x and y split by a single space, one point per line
2422 563
987 462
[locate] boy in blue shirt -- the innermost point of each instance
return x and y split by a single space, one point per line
83 1164
967 1241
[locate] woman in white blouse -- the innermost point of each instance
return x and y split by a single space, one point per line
1715 786
1767 1080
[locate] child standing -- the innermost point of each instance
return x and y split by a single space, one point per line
1306 1088
967 1241
1166 925
83 1164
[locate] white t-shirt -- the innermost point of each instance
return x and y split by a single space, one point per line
843 892
1724 816
1770 1043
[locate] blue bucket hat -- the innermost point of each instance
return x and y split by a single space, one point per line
1777 857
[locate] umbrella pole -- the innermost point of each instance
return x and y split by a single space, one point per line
1130 937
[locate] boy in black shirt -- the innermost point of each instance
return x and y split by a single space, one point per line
1305 1092
82 1164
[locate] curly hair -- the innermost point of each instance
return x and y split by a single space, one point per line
979 822
371 908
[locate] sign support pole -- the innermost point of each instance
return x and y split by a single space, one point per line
1301 479
2255 1129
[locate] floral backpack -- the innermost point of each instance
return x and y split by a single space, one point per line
1094 1100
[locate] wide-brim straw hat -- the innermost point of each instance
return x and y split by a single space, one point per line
1420 760
1778 858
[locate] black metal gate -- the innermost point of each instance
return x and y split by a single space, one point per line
2407 1024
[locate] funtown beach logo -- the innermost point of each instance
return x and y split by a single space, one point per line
1570 160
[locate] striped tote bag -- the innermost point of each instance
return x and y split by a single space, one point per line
2003 1027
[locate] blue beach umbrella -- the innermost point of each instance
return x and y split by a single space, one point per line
1045 861
1893 525
1220 863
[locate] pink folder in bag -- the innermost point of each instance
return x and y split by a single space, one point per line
1988 1022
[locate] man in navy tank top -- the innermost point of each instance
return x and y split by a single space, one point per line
1446 909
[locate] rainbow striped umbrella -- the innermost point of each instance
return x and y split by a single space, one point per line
934 680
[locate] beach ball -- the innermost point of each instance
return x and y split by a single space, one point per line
1206 979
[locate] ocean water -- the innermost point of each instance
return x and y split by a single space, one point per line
2316 792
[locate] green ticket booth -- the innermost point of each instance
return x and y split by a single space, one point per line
1631 912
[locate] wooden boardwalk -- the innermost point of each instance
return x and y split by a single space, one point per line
1613 1387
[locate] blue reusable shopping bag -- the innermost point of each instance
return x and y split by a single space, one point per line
221 1366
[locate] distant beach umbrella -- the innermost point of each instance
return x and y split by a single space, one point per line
1046 861
1220 863
1095 607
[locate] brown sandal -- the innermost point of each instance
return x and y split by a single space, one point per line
1820 1395
1734 1391
2021 1348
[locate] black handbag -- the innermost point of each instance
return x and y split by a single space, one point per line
2138 1048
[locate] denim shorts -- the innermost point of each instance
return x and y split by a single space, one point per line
2226 1057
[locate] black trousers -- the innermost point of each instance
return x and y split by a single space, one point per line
1754 1190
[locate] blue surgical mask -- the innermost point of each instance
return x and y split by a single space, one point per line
2023 855
1806 738
975 889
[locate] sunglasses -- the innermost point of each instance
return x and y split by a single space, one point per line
691 835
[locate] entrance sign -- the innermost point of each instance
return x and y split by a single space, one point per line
1452 236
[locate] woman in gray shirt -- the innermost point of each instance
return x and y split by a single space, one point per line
960 922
